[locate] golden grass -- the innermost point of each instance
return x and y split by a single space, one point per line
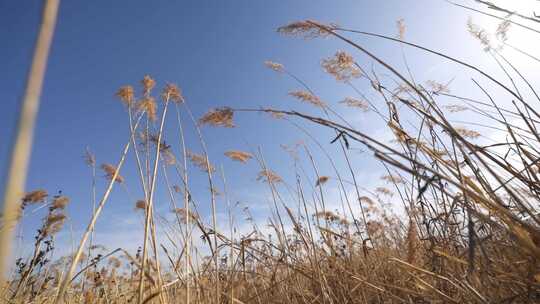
469 232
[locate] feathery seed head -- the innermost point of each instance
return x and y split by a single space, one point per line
268 176
328 216
36 196
200 161
238 155
394 179
172 92
60 202
148 84
110 170
502 31
367 200
308 98
355 103
437 88
126 94
53 223
467 133
148 104
480 34
220 117
278 67
308 29
341 66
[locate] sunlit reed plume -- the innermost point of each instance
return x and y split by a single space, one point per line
237 155
480 34
221 117
60 202
467 133
395 179
278 67
110 170
502 31
268 176
53 223
306 29
355 103
328 216
126 95
36 196
437 87
148 104
341 66
308 98
172 92
148 84
200 161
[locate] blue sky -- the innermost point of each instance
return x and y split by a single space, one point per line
214 50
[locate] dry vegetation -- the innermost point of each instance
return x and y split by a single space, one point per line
470 232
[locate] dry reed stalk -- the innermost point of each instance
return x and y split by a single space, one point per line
149 209
59 298
21 149
460 198
90 161
223 118
231 233
343 63
187 242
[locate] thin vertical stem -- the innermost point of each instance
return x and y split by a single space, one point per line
67 278
149 206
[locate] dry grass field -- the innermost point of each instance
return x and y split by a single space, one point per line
469 232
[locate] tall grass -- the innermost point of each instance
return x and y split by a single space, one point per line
469 232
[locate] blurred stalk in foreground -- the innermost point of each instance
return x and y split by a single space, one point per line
20 153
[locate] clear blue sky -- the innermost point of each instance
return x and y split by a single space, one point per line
214 50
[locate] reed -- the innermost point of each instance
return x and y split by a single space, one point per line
468 232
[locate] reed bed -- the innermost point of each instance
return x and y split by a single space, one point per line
469 231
